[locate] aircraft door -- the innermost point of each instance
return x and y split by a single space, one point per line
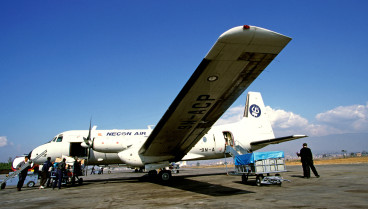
76 150
229 139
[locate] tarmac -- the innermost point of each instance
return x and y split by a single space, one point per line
340 186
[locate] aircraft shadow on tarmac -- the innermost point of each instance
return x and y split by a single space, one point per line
181 182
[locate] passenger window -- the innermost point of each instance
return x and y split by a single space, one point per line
204 139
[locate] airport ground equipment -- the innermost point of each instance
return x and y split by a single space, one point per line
64 180
174 168
11 176
30 181
261 165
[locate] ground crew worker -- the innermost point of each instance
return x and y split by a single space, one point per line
45 175
307 161
76 169
93 170
60 173
23 173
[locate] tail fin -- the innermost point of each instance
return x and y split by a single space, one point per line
256 116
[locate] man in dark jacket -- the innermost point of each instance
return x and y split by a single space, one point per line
23 173
307 161
60 173
76 170
45 175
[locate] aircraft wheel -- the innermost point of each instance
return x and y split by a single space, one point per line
259 180
30 184
152 173
244 178
165 175
3 185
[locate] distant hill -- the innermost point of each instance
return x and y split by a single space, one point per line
353 142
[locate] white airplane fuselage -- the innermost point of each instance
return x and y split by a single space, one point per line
109 143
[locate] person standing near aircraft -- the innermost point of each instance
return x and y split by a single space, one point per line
60 173
45 175
76 169
307 161
93 170
23 173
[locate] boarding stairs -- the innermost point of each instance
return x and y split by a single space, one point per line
3 183
235 150
230 150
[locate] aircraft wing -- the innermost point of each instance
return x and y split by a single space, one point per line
233 63
263 143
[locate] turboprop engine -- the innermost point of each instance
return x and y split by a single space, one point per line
106 145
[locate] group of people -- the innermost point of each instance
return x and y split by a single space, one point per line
99 172
59 170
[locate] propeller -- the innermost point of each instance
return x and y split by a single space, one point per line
89 142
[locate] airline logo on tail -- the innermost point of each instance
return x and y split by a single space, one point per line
255 111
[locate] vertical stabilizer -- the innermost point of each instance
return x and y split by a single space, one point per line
256 116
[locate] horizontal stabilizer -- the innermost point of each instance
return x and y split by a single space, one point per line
276 140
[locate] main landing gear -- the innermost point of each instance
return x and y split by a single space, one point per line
163 175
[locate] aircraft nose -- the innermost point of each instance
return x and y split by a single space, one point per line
37 151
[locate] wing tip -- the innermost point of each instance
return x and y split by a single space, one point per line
243 34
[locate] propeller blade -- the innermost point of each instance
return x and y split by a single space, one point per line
89 131
88 139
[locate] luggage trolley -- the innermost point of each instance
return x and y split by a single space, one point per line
261 165
68 176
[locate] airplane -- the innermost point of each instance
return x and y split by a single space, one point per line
186 131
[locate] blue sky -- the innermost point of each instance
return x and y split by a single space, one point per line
123 62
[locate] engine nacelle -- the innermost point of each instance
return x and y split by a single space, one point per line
112 145
132 158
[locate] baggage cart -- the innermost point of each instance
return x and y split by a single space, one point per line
68 177
261 165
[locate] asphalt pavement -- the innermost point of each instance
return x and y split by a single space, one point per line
340 186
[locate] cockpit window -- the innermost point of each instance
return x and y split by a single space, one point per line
59 139
54 139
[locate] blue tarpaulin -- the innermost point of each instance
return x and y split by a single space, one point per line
252 157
